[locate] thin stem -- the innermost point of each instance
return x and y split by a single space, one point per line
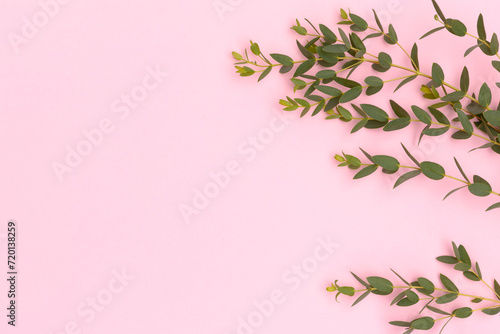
438 289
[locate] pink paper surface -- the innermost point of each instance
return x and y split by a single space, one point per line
155 191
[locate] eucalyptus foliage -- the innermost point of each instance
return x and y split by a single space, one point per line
330 56
428 296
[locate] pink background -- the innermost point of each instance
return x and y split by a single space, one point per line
118 210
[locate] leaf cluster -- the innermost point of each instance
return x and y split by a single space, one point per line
431 294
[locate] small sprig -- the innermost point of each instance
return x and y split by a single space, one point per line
425 290
434 171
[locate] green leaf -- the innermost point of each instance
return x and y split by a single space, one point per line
265 73
398 298
464 80
237 56
359 22
432 31
414 57
365 171
480 189
385 60
405 302
436 310
347 290
374 81
458 28
447 298
453 97
439 116
326 74
469 50
476 300
282 59
386 162
398 110
480 28
424 323
400 323
373 36
330 37
497 288
351 94
366 285
335 48
368 156
466 124
461 170
343 14
437 74
392 37
304 67
462 267
254 47
344 38
329 59
494 44
455 250
405 81
382 285
421 114
375 112
493 117
401 278
496 65
448 283
415 161
352 160
478 270
329 90
285 69
426 284
434 132
346 114
378 68
491 311
397 124
463 312
470 275
378 20
299 30
447 259
438 11
412 296
360 298
432 170
305 52
361 124
464 256
407 176
460 134
494 206
373 90
484 97
346 82
318 108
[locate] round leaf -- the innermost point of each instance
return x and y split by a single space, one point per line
424 323
386 162
432 170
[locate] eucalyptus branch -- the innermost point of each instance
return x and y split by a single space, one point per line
424 289
328 56
390 165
